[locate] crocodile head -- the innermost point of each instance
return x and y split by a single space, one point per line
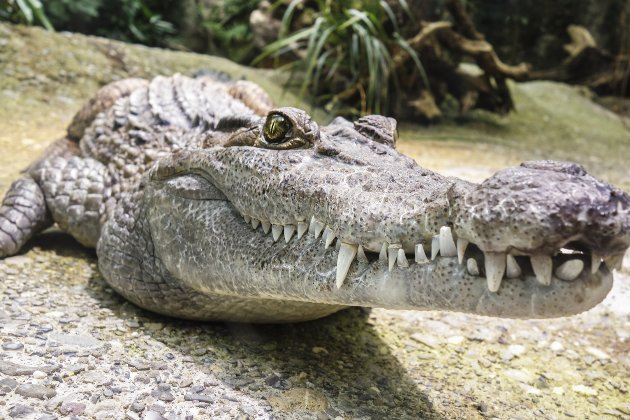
285 210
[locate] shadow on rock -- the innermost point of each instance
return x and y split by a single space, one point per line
337 365
60 243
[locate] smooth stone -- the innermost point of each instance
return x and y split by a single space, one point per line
9 383
12 346
80 340
198 397
20 410
153 415
71 408
35 391
14 369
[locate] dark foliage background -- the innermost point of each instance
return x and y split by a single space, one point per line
346 51
140 21
534 31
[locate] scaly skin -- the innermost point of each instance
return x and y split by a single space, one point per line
204 203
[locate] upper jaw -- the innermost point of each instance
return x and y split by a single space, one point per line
507 237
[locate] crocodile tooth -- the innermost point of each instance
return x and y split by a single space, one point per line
542 265
382 256
472 267
255 223
512 269
421 257
435 246
361 255
347 252
462 244
495 263
447 244
289 230
392 253
614 261
329 235
301 229
316 227
569 270
402 259
266 227
596 261
276 231
318 230
247 219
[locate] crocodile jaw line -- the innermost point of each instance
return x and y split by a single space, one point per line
304 269
513 286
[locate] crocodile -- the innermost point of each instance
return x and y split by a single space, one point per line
205 202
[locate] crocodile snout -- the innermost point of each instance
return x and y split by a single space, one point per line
542 206
551 212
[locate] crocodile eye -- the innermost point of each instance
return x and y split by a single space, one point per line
287 128
277 129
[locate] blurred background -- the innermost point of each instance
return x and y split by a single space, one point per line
402 58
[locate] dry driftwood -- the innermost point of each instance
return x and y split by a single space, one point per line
436 44
589 65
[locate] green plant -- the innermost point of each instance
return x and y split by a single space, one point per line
127 20
24 11
347 52
228 28
63 12
137 22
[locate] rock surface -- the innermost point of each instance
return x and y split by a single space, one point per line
72 347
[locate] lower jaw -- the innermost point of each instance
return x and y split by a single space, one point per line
445 285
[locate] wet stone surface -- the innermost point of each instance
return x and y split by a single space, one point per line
70 346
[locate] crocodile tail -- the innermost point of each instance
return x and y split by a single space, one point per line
252 95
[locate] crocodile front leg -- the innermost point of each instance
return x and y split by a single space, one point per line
74 192
23 213
77 191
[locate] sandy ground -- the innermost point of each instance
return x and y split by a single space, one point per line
71 347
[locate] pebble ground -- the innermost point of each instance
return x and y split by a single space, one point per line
71 347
